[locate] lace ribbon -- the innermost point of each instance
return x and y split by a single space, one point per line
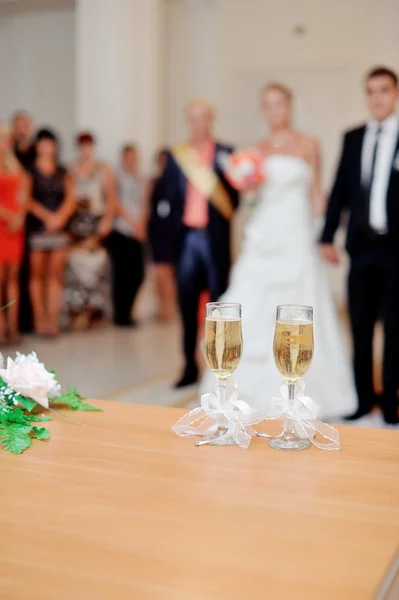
234 416
302 411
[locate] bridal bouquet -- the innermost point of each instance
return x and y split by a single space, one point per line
243 168
25 387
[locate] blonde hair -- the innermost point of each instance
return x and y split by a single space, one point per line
9 157
201 102
279 87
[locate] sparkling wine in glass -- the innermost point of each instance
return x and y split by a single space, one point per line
293 348
222 350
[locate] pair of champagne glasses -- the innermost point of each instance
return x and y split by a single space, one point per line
292 347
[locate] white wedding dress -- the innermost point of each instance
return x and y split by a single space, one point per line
280 264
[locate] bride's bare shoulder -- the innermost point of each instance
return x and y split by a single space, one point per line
309 142
310 147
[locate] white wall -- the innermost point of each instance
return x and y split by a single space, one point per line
37 69
119 74
240 44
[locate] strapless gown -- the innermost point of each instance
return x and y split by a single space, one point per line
280 264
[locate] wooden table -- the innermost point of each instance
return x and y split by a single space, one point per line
124 509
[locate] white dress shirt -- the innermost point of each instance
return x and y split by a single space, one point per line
388 137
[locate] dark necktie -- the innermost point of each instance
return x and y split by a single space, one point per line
369 183
377 141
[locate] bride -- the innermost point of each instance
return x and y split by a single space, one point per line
279 264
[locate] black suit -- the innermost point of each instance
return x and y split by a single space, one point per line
202 256
373 290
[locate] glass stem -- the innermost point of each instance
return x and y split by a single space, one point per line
291 397
221 391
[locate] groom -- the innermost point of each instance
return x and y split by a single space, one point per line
201 205
367 186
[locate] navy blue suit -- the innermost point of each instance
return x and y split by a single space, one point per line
202 257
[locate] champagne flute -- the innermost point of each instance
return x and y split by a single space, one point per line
222 351
293 352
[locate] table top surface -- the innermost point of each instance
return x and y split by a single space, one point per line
123 508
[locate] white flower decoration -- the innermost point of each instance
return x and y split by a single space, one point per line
30 378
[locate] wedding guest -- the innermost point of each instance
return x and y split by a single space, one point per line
158 215
202 203
24 150
87 289
50 207
367 186
125 243
14 192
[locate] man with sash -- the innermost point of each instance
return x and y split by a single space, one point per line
201 205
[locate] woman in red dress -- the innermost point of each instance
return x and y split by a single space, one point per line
14 191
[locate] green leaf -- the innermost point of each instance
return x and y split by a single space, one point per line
4 418
86 406
71 396
41 434
16 415
27 403
73 399
13 415
13 440
38 419
20 427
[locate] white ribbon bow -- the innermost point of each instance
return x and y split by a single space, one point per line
234 416
303 411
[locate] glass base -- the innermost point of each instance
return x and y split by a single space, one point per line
289 442
227 441
217 440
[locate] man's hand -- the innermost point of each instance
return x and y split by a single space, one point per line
330 254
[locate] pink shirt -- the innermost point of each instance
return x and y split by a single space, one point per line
196 205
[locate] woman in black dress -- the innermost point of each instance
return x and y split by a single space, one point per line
50 208
160 244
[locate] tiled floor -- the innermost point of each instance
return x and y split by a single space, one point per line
124 365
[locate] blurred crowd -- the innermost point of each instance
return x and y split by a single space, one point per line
75 240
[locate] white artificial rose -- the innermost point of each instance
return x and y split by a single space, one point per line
30 378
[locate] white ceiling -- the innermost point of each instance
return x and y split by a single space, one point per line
13 6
